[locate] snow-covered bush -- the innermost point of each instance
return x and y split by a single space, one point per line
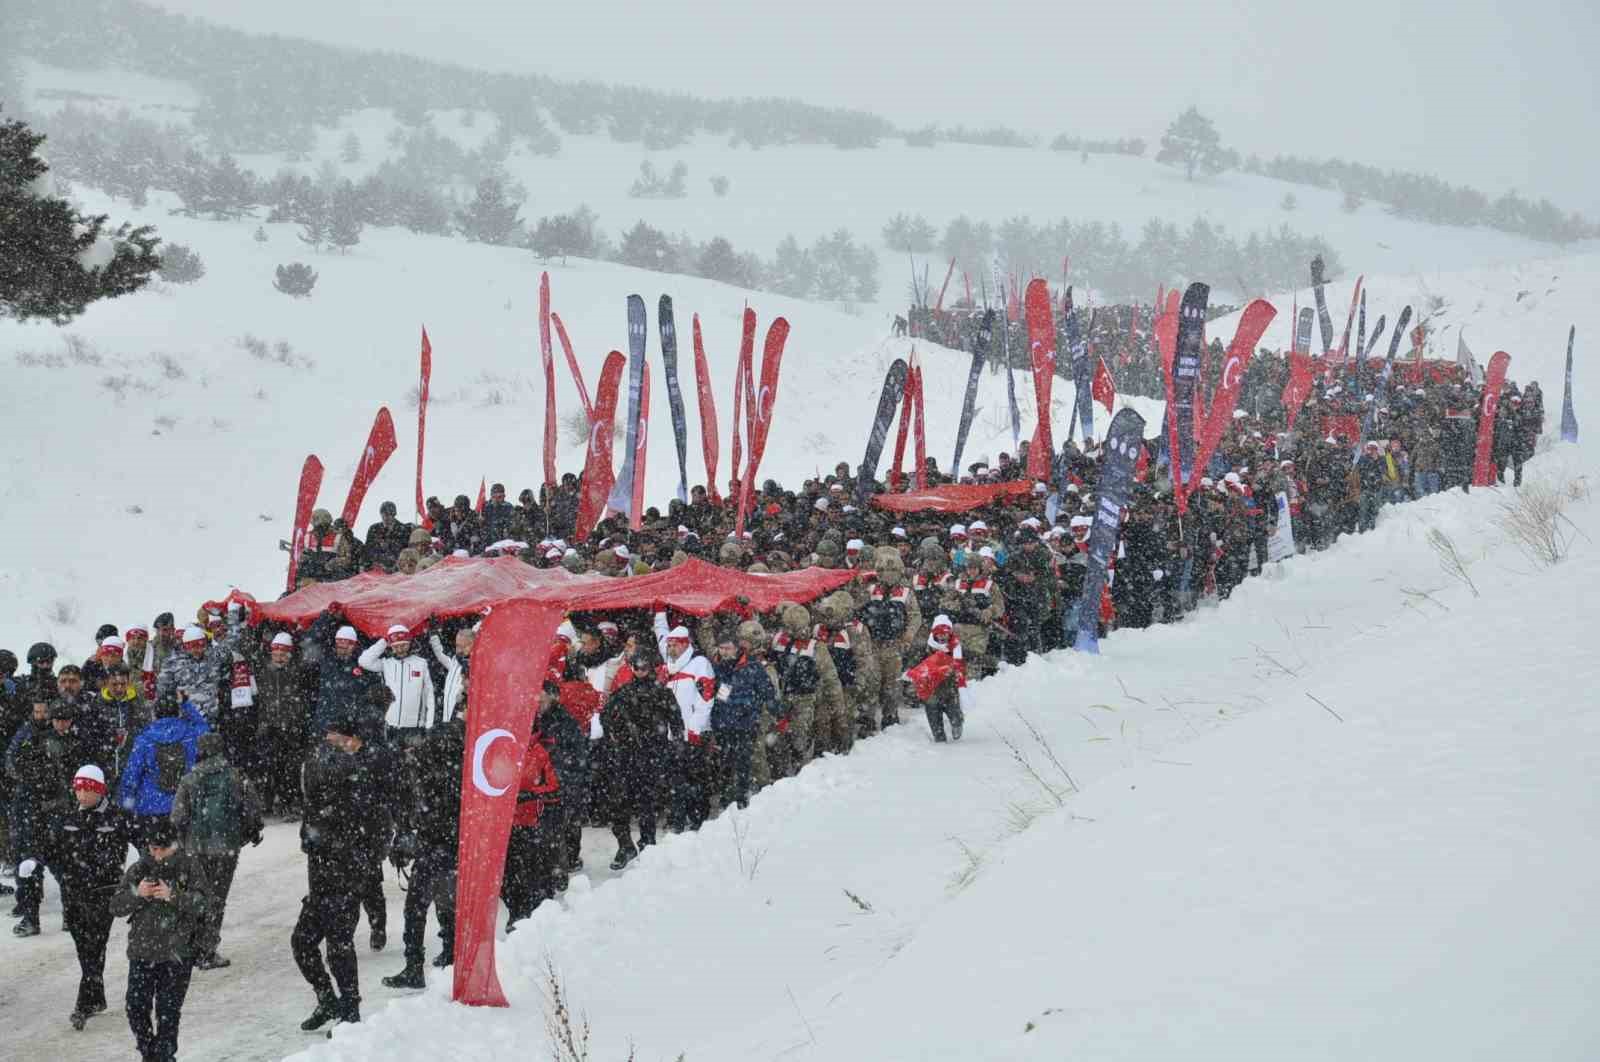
180 264
296 279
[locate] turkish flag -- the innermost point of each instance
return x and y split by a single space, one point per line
741 389
305 501
1042 355
1302 371
482 495
1257 316
1493 380
919 434
1103 387
422 421
508 666
598 476
380 444
709 443
572 363
907 411
765 398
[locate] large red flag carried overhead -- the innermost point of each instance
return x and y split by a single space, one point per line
708 412
305 501
547 354
422 420
380 444
766 397
598 476
508 666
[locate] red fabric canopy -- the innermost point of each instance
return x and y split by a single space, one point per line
956 498
464 586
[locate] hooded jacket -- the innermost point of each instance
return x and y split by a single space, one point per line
155 752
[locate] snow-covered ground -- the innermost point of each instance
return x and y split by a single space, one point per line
1347 813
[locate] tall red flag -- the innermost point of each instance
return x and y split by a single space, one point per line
1302 371
548 355
919 432
1103 388
1355 297
508 667
572 363
1488 406
948 273
1042 351
305 501
766 397
598 476
1257 316
640 444
708 412
741 384
908 402
422 422
1165 328
483 495
380 444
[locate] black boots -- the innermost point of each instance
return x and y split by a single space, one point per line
410 977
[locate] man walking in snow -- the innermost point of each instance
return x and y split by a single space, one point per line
216 812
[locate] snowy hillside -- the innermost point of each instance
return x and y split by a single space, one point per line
150 401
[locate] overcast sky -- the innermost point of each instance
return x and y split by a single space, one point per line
1483 92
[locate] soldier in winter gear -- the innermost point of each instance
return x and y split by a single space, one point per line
386 538
197 672
893 618
855 662
346 787
164 897
216 812
808 685
428 839
744 694
85 846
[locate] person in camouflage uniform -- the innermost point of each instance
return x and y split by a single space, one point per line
808 687
893 618
856 662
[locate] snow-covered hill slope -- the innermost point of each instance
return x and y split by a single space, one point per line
813 190
1346 814
158 456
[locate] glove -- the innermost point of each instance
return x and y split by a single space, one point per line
783 724
1157 574
27 868
694 739
255 838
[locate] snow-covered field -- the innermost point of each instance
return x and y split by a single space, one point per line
1347 814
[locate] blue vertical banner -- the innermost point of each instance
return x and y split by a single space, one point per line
1569 418
621 500
1123 440
669 365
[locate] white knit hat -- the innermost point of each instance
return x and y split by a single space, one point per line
399 629
193 635
283 640
679 632
346 634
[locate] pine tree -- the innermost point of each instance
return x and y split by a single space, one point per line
345 218
793 271
562 235
719 261
647 248
350 149
295 279
1191 141
58 261
490 217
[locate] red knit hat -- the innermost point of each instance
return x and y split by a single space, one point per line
91 778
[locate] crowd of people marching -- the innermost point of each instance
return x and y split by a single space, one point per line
181 740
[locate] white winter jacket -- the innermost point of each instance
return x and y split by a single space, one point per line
455 678
691 679
408 679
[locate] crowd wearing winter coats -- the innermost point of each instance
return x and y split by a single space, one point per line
181 742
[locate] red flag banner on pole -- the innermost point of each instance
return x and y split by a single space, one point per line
897 475
1488 406
572 363
919 432
948 273
380 444
1355 298
1042 351
1257 316
640 445
766 397
1165 328
305 501
741 385
509 661
1302 371
547 355
709 444
598 476
1104 386
422 422
483 495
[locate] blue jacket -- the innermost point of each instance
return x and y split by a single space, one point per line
140 791
748 690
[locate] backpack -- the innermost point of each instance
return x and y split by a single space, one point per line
214 811
172 763
885 619
799 674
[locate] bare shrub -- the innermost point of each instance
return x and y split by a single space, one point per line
1535 519
1450 559
256 348
81 352
170 367
124 384
569 1042
63 612
575 428
29 360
